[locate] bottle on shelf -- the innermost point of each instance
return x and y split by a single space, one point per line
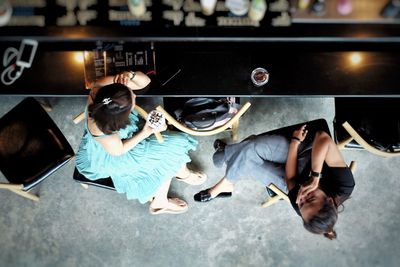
257 9
137 7
238 7
5 12
208 6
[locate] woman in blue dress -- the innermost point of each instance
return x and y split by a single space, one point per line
113 145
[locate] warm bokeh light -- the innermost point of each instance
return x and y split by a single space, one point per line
355 58
78 57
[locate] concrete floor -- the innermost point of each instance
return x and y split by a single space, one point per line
71 226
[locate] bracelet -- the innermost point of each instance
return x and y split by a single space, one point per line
315 174
296 138
133 75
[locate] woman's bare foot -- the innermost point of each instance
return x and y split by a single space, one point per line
173 206
224 185
190 177
193 178
222 189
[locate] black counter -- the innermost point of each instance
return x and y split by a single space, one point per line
223 68
319 59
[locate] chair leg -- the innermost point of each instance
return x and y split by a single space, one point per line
78 118
11 186
235 127
46 105
25 194
353 166
342 144
85 186
272 200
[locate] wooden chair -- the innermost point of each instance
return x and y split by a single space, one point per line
313 127
368 123
32 147
354 136
232 124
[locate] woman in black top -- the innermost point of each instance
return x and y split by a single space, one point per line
321 187
312 170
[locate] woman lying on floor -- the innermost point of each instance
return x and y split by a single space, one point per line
314 174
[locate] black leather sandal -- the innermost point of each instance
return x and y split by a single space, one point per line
219 145
205 196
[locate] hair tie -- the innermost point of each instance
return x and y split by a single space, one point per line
106 101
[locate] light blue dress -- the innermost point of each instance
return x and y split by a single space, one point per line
141 171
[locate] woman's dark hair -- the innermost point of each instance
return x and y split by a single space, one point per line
111 107
324 221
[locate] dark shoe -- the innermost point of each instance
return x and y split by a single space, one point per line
205 196
219 145
391 9
270 192
318 7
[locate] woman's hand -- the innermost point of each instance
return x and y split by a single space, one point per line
149 130
125 78
300 134
306 188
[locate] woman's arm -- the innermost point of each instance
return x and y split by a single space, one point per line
291 163
323 150
117 147
134 80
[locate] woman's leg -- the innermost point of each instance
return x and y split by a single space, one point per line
161 197
161 200
183 172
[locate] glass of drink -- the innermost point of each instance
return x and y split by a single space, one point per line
259 76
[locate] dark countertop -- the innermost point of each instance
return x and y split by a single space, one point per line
223 68
320 59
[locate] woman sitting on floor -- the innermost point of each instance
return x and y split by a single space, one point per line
113 145
293 166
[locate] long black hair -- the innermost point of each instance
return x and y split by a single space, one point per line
324 221
111 107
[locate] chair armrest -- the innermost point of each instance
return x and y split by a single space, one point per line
183 128
365 144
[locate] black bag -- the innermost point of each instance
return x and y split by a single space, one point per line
382 134
204 113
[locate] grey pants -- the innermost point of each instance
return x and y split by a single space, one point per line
262 157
